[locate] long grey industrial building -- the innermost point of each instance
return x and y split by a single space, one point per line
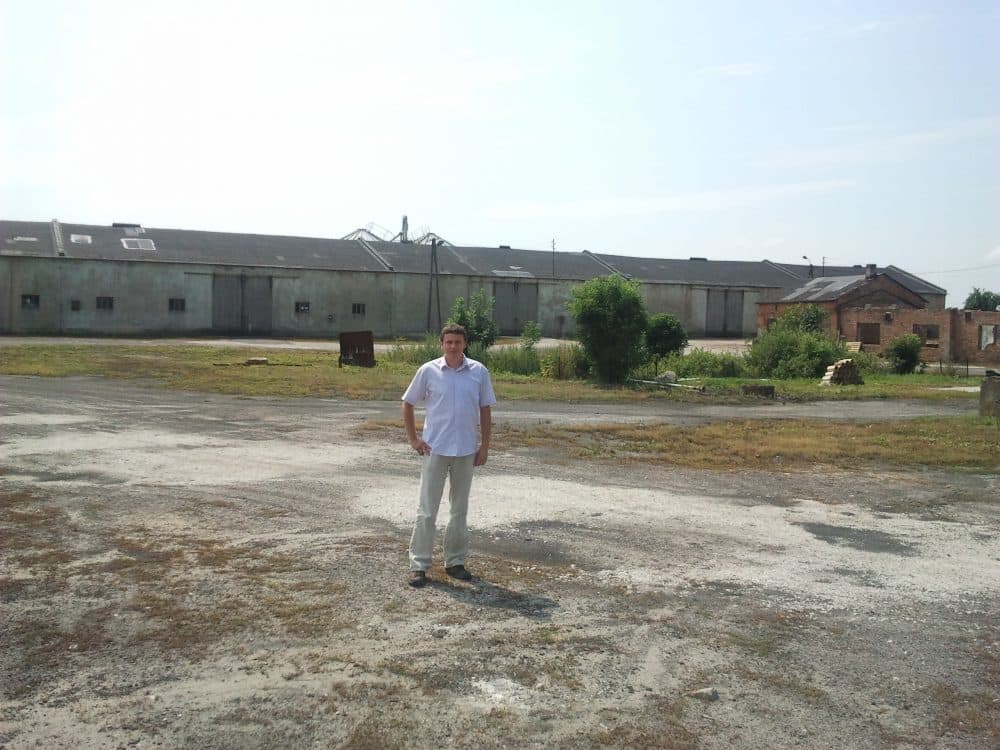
125 279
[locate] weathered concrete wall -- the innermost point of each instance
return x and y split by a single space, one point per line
331 297
140 294
689 304
6 295
697 312
553 317
395 304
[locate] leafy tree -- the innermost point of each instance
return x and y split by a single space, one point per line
980 299
610 317
903 353
805 318
477 319
664 336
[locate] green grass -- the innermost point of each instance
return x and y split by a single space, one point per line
315 373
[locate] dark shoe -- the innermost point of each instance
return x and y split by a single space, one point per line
459 572
418 578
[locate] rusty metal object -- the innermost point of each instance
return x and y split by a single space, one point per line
357 348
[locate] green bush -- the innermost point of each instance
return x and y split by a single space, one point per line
903 353
868 363
664 336
565 362
531 334
786 353
610 316
477 318
701 363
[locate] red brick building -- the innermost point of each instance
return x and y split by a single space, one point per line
874 309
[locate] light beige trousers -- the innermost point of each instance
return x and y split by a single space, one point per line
433 472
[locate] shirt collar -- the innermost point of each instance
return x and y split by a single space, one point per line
443 363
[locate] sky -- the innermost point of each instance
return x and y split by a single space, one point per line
843 132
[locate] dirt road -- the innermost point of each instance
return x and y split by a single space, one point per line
183 569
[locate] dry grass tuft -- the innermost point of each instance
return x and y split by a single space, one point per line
787 445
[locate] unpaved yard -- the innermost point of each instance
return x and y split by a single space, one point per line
190 570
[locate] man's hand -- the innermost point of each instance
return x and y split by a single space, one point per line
410 422
481 455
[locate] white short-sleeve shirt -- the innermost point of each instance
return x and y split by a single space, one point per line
453 398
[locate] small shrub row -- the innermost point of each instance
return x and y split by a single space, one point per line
701 363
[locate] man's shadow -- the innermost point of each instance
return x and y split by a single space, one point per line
482 593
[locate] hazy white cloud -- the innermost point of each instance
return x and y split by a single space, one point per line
994 254
867 27
889 148
715 200
735 70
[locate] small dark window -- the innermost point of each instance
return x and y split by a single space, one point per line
176 304
301 308
357 308
74 305
29 301
927 331
869 333
105 303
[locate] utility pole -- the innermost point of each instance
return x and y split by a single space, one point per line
434 285
553 257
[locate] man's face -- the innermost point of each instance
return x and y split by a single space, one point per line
453 346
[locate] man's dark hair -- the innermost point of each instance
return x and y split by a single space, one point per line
455 329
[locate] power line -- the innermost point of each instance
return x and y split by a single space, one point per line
958 270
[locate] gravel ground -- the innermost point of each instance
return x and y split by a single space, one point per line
183 569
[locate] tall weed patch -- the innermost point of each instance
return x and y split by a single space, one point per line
701 363
415 354
513 360
565 362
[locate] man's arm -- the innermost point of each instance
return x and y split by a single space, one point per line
486 428
410 421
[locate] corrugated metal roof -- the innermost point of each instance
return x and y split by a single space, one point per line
186 246
26 238
911 282
698 271
222 248
824 289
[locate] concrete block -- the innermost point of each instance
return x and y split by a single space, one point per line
989 397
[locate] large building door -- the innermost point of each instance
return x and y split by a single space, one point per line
516 304
724 312
241 304
226 304
733 325
257 305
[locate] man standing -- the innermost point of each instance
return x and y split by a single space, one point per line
459 395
